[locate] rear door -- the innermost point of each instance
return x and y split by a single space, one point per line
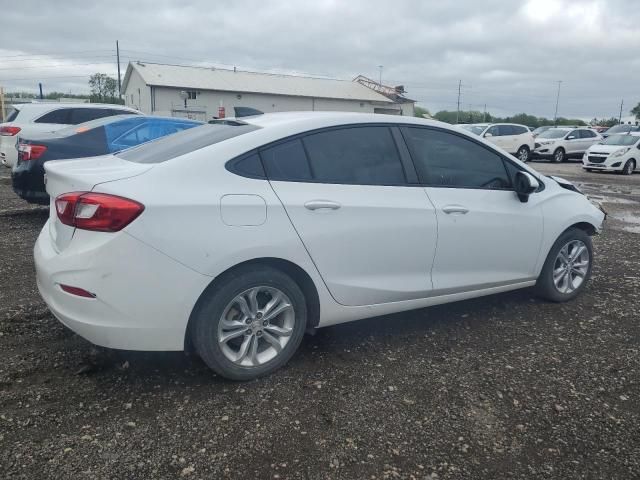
371 234
574 144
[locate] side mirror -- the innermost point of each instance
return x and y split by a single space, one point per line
488 134
525 185
571 137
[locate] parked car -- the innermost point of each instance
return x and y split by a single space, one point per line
236 239
617 153
515 139
30 118
560 143
98 137
600 129
544 128
621 129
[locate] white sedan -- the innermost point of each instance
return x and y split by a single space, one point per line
617 153
237 238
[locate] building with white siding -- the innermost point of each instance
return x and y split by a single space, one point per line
199 92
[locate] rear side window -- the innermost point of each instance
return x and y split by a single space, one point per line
287 161
359 155
81 115
444 159
587 134
518 130
60 116
13 114
506 130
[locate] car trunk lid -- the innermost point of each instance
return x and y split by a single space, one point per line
82 175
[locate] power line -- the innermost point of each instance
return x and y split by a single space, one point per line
53 53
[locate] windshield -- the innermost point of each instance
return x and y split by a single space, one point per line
477 129
624 140
553 133
619 129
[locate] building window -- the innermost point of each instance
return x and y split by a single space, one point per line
191 94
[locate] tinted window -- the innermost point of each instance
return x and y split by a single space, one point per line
587 134
359 155
494 131
447 160
81 115
60 115
247 166
13 113
286 161
506 130
574 133
518 130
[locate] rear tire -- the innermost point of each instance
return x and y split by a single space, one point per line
523 154
240 308
559 155
561 281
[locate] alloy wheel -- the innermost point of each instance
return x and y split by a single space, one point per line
558 156
256 326
571 266
523 154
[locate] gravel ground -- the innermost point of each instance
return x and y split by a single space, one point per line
505 386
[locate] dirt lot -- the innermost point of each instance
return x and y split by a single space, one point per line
500 387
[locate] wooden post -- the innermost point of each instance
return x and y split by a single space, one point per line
2 113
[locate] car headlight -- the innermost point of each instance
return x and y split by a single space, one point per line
619 153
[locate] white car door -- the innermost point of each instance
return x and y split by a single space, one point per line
486 235
573 142
495 135
371 235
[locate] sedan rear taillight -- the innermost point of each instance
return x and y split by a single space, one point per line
29 151
99 212
9 131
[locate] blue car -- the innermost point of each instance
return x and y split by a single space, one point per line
98 137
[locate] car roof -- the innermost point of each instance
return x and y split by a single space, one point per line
31 111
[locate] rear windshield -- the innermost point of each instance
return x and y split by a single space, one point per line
13 113
184 142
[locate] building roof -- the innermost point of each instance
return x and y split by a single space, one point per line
203 78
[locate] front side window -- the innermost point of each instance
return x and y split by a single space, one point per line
359 155
587 134
575 134
494 131
444 159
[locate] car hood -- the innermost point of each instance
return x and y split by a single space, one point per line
605 148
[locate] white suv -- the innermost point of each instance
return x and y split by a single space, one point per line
29 118
558 144
515 139
617 153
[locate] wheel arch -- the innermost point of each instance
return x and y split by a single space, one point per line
297 273
587 227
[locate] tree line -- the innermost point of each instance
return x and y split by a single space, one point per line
476 116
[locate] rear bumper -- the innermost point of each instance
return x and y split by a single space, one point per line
143 298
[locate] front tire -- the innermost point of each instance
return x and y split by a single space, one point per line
559 155
523 154
567 268
251 323
629 167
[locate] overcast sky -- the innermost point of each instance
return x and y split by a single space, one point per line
509 54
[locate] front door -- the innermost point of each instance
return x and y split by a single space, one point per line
486 236
371 236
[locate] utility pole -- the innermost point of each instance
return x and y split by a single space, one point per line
555 115
119 81
620 117
41 96
380 82
484 118
458 111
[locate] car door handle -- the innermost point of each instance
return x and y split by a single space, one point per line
319 204
455 209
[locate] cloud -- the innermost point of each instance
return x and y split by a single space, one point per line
508 54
